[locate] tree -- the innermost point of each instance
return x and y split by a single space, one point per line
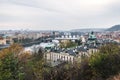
10 68
68 44
34 67
106 62
110 49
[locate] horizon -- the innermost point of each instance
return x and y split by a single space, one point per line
58 15
49 29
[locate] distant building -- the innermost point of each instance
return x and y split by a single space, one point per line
2 41
83 40
47 45
92 39
68 37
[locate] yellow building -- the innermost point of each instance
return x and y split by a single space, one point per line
2 41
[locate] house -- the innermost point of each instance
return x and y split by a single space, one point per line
2 40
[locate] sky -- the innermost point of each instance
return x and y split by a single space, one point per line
58 14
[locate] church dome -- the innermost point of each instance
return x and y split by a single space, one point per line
91 36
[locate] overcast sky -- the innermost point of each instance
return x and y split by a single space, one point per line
58 14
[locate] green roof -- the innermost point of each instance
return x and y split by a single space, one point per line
92 36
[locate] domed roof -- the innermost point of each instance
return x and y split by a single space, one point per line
91 36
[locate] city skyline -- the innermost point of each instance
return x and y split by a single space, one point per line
58 15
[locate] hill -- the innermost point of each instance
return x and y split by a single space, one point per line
114 28
89 30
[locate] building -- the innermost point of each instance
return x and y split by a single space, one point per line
52 56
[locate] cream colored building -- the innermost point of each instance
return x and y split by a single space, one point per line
59 56
2 41
67 57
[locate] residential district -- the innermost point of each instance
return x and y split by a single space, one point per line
59 46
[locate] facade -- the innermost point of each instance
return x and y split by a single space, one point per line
59 57
2 41
69 57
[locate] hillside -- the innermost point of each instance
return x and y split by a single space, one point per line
114 28
89 30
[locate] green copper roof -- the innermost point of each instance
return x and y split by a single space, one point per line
92 36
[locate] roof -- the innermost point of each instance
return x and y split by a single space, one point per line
71 52
44 45
91 36
84 49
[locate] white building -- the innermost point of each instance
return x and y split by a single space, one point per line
59 57
47 45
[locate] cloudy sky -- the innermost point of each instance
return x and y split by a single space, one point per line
58 14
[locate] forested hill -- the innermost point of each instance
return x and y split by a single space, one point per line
114 28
